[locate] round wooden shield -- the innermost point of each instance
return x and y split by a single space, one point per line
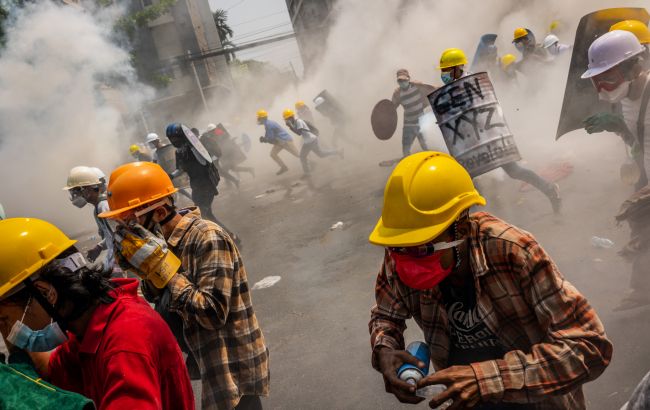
384 119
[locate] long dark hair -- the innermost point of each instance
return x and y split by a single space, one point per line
81 289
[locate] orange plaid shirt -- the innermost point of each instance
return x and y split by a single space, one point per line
554 340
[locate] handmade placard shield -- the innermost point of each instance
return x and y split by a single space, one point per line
472 124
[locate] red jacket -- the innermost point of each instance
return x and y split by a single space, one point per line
128 358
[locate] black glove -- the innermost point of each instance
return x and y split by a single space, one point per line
264 139
605 121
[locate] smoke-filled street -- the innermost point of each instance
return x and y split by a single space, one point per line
324 204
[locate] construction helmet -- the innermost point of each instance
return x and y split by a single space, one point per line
288 113
26 246
151 137
452 57
550 40
82 176
507 60
300 104
610 50
134 148
262 114
424 195
635 27
520 32
135 184
211 127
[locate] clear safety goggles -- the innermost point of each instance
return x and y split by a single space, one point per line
426 249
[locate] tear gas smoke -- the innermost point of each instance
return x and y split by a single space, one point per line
57 110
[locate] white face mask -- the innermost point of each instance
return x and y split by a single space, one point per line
615 95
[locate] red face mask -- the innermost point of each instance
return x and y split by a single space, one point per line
424 272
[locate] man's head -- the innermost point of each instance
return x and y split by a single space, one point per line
134 150
262 116
153 140
614 63
42 279
452 65
140 192
176 135
427 198
403 78
289 116
507 63
300 105
84 186
551 44
523 40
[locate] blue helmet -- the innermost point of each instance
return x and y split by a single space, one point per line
174 132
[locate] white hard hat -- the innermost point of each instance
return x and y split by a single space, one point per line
100 173
211 127
82 176
610 50
318 101
151 137
550 40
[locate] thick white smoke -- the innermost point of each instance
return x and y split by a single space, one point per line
57 110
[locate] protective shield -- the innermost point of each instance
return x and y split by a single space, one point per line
384 119
329 107
167 158
472 124
198 149
486 55
580 97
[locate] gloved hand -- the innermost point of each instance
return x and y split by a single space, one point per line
264 139
147 253
605 121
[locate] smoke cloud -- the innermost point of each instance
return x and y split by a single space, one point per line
57 109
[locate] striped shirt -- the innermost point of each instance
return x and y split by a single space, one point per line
554 340
411 100
211 294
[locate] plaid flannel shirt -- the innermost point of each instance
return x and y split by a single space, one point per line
555 340
210 293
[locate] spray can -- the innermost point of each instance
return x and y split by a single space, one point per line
411 373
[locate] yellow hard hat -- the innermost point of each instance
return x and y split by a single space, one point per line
26 246
300 104
507 59
134 148
288 113
555 24
635 27
262 114
424 195
452 57
519 33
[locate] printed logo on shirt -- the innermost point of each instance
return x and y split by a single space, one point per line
468 329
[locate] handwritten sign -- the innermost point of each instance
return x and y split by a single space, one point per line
472 124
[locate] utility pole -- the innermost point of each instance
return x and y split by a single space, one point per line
198 83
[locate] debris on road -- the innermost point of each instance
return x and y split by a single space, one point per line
603 243
338 225
267 282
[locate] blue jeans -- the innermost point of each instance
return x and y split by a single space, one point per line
409 133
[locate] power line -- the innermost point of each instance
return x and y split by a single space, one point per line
260 18
256 32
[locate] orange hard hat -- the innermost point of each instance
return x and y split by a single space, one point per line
135 184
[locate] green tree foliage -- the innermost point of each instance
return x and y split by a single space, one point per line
220 17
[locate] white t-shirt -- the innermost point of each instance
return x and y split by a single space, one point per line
631 111
307 136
